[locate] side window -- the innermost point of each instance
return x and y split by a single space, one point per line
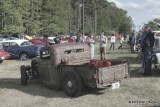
156 42
45 54
1 46
5 44
26 43
13 44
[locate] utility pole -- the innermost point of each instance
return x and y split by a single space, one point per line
79 16
69 22
95 19
83 16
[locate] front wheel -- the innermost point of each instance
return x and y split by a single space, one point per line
23 56
72 84
23 75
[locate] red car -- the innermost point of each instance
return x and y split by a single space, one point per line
38 42
4 55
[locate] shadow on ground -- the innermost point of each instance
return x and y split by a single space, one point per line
35 88
136 74
132 60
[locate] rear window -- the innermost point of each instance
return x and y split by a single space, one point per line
74 51
157 34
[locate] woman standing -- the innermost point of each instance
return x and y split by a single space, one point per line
91 43
121 41
113 40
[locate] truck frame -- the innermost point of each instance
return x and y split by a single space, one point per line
68 66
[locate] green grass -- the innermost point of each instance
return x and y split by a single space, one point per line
136 88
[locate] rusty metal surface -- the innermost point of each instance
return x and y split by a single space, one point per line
60 53
107 75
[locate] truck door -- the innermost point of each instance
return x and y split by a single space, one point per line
45 67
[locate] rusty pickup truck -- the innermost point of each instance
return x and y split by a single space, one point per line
68 66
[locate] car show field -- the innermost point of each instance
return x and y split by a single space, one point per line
134 91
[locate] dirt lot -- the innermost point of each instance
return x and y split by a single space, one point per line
135 91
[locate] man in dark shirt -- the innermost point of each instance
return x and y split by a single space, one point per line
57 40
147 47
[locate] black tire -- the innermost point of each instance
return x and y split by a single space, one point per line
23 56
72 84
1 61
23 75
34 67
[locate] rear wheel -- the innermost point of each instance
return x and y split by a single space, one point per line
23 75
23 56
72 84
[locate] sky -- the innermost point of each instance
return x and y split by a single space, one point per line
141 11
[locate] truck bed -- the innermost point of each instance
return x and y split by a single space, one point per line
98 74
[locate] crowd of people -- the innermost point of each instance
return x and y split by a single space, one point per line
141 42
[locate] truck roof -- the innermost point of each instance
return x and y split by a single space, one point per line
74 53
67 46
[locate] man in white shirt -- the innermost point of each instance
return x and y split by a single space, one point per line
113 40
103 44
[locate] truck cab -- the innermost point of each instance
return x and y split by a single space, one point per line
53 57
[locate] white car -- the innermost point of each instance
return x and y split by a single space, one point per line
156 49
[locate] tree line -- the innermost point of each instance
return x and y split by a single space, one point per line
67 16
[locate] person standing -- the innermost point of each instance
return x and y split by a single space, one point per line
45 39
79 38
91 43
132 42
113 40
57 39
141 53
147 47
103 44
121 41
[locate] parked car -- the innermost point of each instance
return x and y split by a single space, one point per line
22 49
3 54
156 49
38 41
68 66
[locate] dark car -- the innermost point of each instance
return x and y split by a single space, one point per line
22 49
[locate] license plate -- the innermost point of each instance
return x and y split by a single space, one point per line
115 85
